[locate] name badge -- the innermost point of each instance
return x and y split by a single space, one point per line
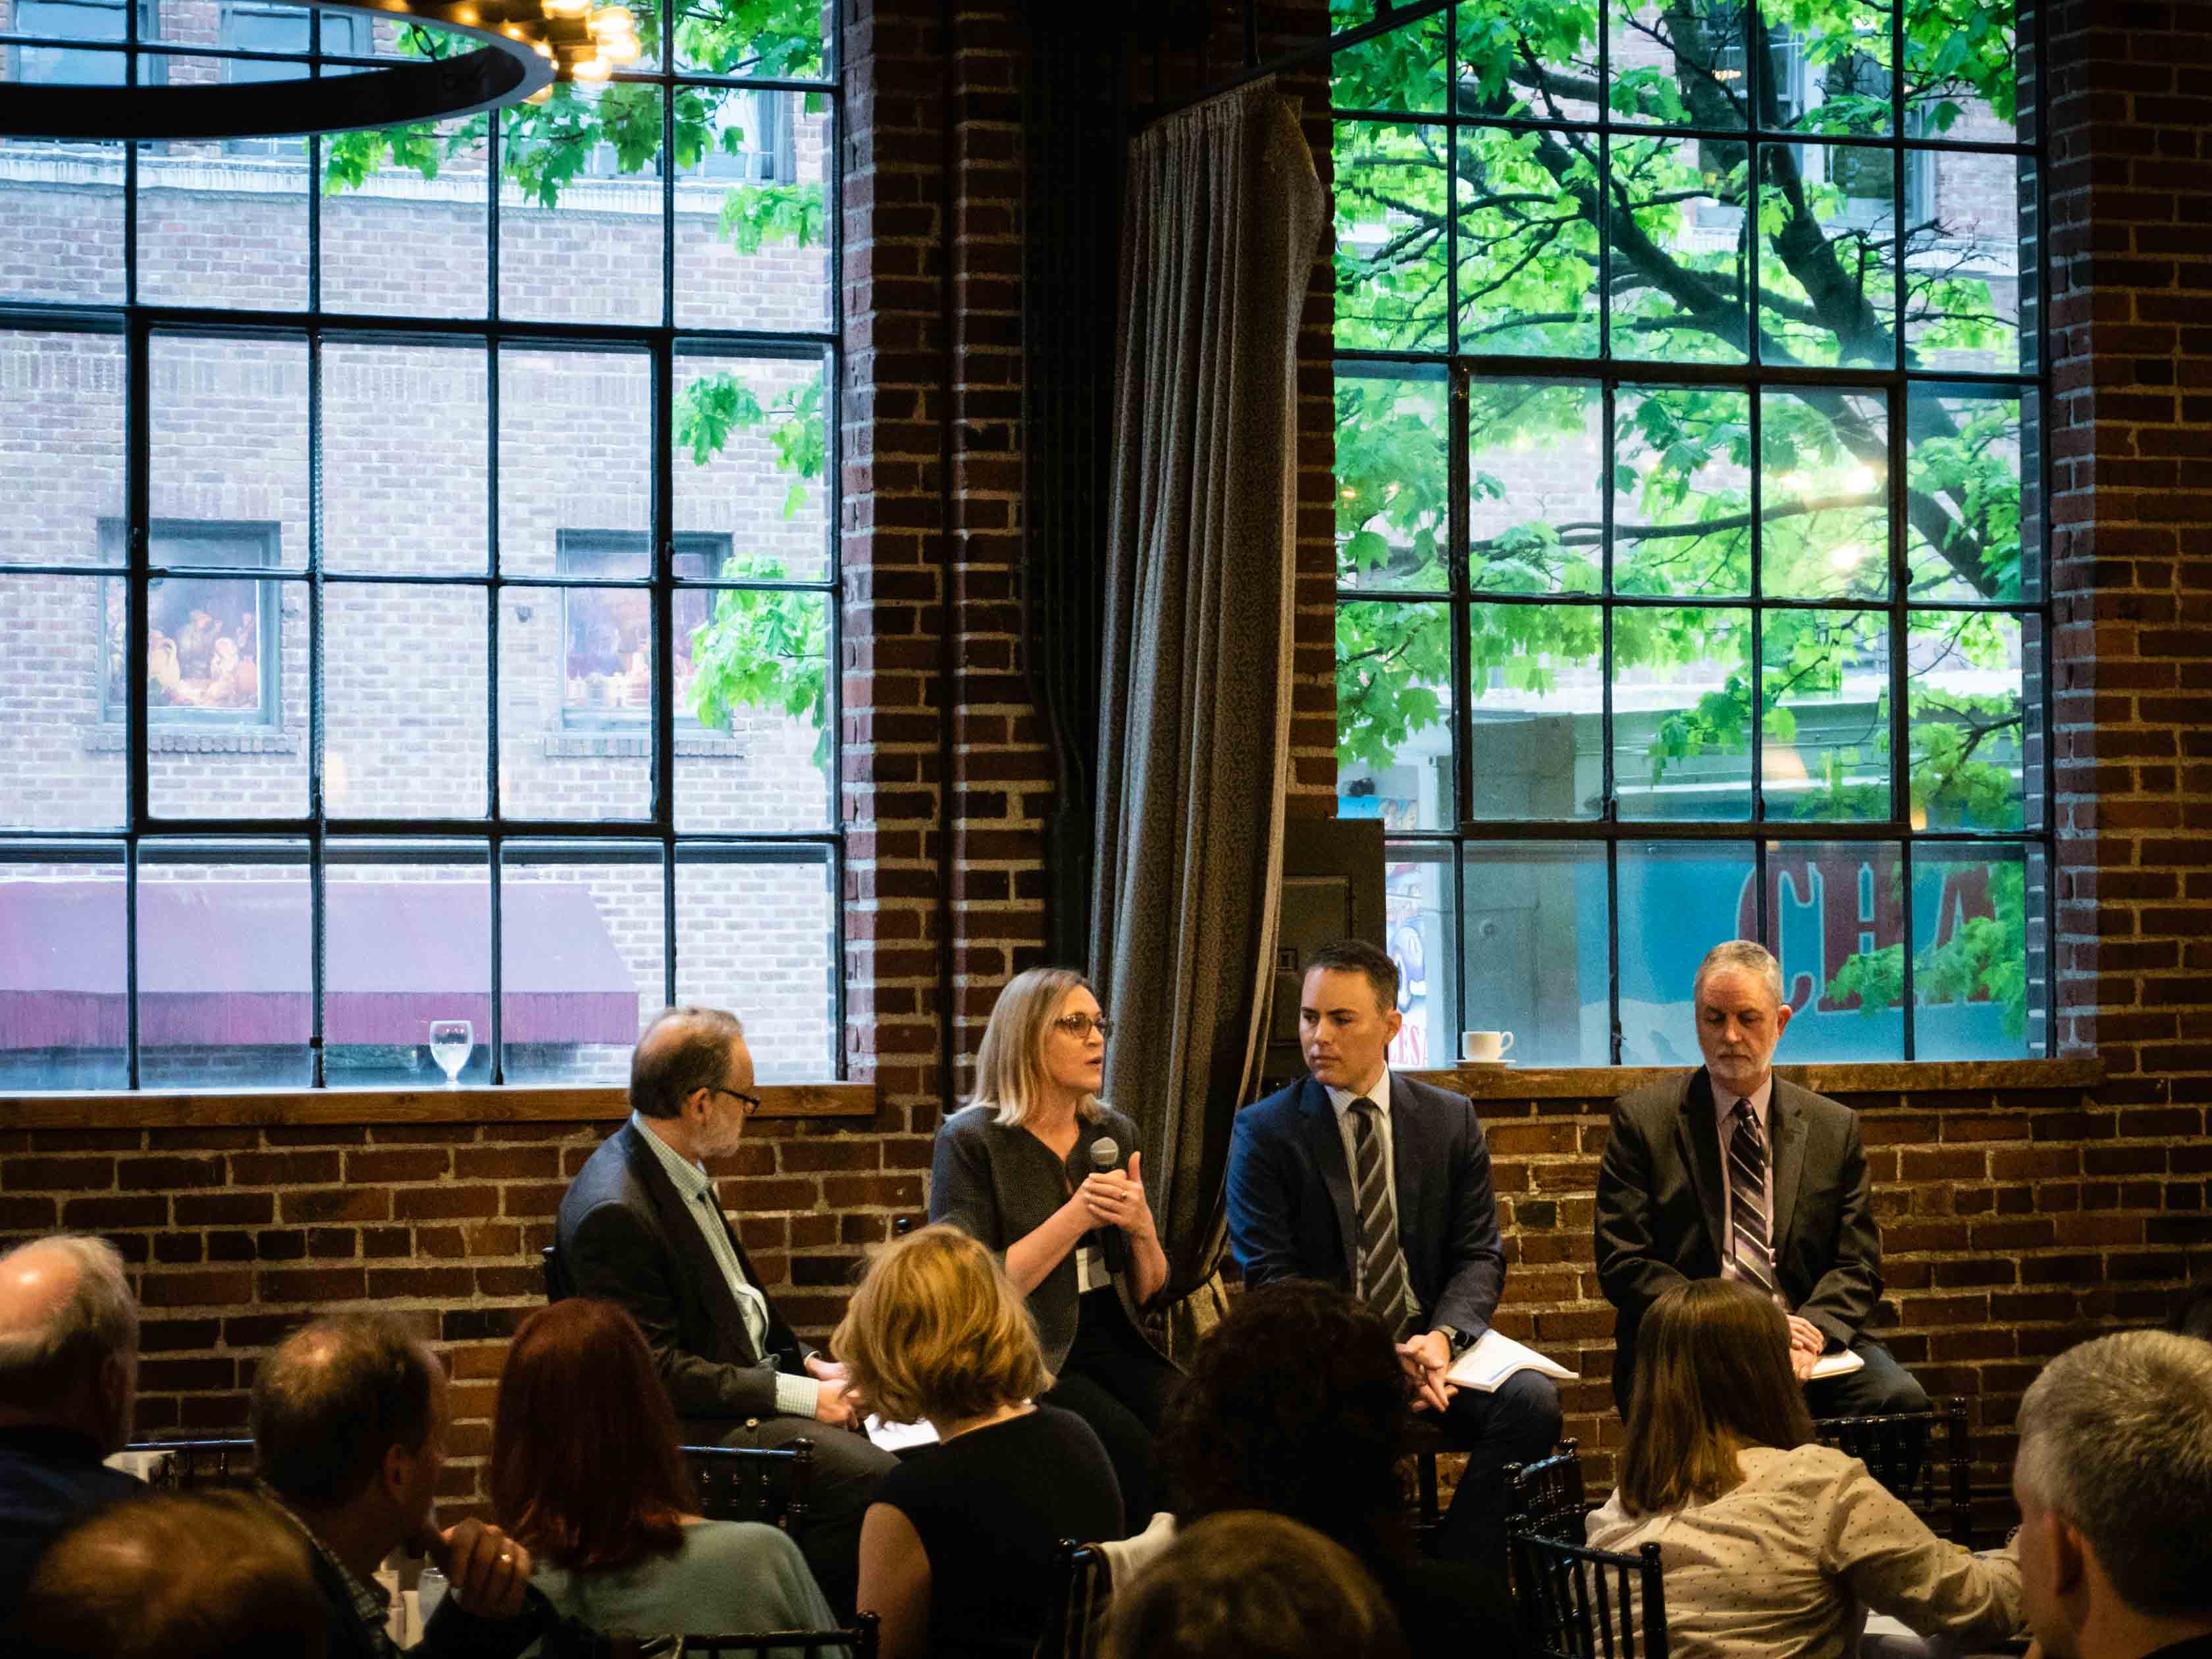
1091 1273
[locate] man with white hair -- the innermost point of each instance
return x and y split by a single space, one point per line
69 1378
2114 1480
1729 1172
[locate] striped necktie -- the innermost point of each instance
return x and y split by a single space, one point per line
1382 1284
1750 1243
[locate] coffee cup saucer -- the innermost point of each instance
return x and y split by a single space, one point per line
1500 1063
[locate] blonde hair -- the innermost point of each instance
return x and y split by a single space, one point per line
938 1330
1010 1064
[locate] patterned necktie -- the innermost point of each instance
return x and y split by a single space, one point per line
1382 1284
1751 1244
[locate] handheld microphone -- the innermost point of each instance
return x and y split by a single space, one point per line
1105 1158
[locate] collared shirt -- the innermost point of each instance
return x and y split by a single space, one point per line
1762 1100
1379 1092
1341 1099
372 1602
795 1397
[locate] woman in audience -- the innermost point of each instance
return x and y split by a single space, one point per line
587 1471
955 1550
1297 1404
1771 1543
1249 1585
1047 1177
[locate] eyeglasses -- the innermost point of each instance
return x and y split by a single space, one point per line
1080 1026
752 1103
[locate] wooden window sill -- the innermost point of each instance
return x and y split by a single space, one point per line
509 1104
1510 1082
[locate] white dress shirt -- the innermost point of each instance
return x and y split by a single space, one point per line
795 1397
1762 1100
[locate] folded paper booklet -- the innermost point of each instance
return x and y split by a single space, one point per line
898 1437
1842 1363
1496 1357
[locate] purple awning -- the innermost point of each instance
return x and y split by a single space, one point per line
225 963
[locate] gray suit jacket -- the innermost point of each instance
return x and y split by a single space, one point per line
1660 1191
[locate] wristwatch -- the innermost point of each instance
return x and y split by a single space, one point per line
1459 1341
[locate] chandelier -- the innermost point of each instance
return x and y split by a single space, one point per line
520 47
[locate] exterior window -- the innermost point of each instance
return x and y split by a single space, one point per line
1690 525
606 665
212 642
340 479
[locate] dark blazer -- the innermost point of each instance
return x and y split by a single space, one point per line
1291 1212
50 1479
626 1236
998 1183
1660 1191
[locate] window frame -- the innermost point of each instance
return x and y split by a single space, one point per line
131 556
1761 838
262 540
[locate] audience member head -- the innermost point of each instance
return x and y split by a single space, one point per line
349 1418
1740 1015
1295 1404
2114 1479
214 1575
1250 1585
2192 1312
1712 1376
585 1466
1028 1056
68 1339
938 1331
692 1074
1348 1012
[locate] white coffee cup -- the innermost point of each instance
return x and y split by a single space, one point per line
1485 1048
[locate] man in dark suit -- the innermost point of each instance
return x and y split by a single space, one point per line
640 1227
1380 1185
69 1372
1730 1172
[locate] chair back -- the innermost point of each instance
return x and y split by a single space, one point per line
1075 1614
1550 1493
1924 1458
199 1465
1577 1602
558 1286
858 1639
752 1483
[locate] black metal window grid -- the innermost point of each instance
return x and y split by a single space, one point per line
1459 363
316 840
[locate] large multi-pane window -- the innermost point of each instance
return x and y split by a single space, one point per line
419 564
1690 537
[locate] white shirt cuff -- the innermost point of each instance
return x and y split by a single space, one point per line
797 1396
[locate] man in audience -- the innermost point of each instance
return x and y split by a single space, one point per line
212 1575
350 1415
1729 1172
640 1227
2114 1479
1379 1185
69 1375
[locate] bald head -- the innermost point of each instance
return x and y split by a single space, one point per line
69 1338
682 1051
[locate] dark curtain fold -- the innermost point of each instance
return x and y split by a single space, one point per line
1223 218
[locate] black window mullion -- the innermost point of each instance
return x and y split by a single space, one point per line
318 801
493 806
1756 406
138 447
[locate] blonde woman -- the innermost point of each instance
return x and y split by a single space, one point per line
956 1548
1047 1177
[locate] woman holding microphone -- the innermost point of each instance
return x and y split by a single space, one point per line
1047 1177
